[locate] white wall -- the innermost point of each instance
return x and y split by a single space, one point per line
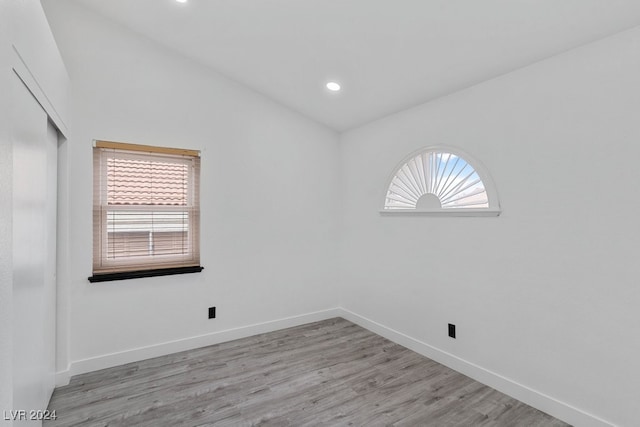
547 294
38 60
268 195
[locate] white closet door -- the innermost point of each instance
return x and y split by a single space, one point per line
34 225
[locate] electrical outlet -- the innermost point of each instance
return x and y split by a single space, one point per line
212 312
452 330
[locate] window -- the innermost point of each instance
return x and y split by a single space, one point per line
146 211
440 181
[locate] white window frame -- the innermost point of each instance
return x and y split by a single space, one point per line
493 208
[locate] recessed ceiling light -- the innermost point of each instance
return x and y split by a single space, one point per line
181 1
333 86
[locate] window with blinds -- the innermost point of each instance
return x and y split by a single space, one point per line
441 181
146 210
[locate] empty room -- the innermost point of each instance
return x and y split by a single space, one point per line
319 213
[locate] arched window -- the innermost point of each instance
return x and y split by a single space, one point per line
441 180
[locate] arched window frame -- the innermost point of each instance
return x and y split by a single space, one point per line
493 208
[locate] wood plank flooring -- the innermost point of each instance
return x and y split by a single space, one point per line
329 373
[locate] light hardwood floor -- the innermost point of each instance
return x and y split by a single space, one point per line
329 373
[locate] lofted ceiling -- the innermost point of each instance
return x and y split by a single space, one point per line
388 55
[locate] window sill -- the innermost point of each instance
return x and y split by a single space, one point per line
108 277
441 212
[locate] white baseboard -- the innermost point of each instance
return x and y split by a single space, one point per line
142 353
538 400
63 377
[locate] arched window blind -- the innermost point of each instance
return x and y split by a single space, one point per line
146 211
440 180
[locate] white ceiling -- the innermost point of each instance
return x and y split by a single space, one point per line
388 55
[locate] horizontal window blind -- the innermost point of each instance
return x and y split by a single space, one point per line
146 209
